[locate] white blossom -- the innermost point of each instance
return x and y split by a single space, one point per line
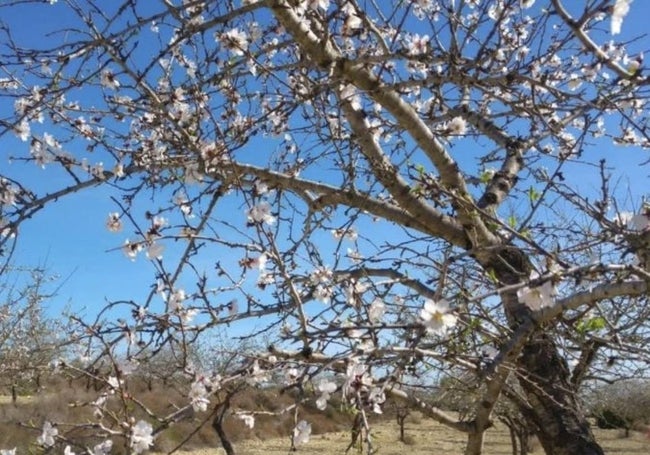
22 130
437 317
376 397
108 80
155 250
537 297
176 299
457 126
103 448
639 222
199 396
131 250
47 437
620 10
261 213
248 419
326 388
114 383
301 432
235 40
113 223
141 436
376 311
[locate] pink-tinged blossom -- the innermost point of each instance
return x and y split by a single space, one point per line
48 436
113 223
141 436
620 10
437 316
301 432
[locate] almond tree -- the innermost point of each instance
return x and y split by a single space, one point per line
28 337
401 180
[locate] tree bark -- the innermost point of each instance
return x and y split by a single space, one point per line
217 424
560 424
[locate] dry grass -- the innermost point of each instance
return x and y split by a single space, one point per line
271 434
428 437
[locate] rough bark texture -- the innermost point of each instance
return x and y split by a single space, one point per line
561 426
563 429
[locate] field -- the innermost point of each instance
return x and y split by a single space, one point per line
425 437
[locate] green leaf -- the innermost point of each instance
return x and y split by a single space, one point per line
492 276
533 195
512 221
486 176
591 325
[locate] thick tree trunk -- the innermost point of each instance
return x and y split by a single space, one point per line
560 424
562 427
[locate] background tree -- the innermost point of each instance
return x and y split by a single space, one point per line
29 339
623 404
390 188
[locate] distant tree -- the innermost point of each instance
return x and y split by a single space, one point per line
623 404
29 339
382 189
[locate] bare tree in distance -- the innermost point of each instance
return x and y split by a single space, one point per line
380 188
29 338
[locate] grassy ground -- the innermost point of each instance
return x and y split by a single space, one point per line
426 437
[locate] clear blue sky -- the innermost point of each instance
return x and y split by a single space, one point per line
70 236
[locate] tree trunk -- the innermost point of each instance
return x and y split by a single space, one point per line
217 424
560 424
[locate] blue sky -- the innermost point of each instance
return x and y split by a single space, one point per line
71 239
